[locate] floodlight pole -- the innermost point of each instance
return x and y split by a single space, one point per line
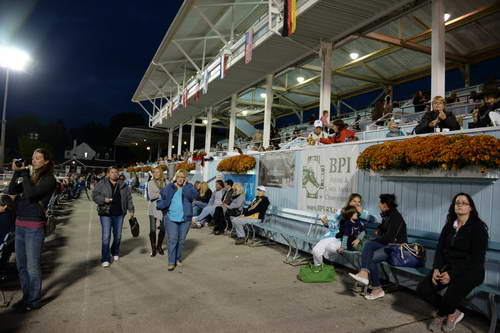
4 121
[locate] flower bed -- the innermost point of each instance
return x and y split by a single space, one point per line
237 164
433 152
186 166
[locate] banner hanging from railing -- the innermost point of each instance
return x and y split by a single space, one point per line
277 169
328 177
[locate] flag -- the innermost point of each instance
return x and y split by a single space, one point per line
248 46
197 93
185 98
206 77
290 18
223 65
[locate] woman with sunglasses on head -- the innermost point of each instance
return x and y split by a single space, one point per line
458 263
176 203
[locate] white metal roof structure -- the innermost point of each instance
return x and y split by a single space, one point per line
392 38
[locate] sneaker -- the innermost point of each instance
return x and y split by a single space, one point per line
453 320
116 258
179 263
239 241
105 264
171 267
359 279
373 296
436 324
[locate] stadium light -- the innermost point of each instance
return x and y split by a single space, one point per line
300 79
447 16
354 55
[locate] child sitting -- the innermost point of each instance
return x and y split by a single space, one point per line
344 226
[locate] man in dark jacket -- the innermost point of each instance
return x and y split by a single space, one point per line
481 117
255 213
437 118
113 199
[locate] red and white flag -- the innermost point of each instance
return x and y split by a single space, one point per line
248 46
223 65
185 98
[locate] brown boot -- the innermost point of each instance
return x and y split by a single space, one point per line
152 239
161 236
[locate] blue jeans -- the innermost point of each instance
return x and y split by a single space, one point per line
109 223
199 204
208 210
373 254
176 236
29 243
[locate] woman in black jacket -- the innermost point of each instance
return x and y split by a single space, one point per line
437 117
458 262
391 230
33 194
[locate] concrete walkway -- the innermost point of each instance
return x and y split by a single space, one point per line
221 288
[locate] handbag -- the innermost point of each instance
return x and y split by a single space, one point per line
134 226
317 274
406 255
105 208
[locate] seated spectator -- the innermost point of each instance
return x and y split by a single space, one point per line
419 101
392 230
458 263
325 120
438 117
393 130
481 116
317 134
342 133
205 195
233 208
7 225
475 97
452 98
256 212
333 239
215 200
357 121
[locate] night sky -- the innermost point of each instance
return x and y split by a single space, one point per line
88 56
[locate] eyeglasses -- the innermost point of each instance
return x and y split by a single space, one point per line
461 203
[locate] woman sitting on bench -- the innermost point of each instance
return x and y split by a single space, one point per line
392 230
255 213
458 262
332 240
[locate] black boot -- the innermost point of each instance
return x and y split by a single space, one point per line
161 236
152 238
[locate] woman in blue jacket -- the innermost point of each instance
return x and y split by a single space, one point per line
176 203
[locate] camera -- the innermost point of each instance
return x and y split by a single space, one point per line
19 162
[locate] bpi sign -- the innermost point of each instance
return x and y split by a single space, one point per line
327 177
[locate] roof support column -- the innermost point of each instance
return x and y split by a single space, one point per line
232 123
339 105
438 49
191 138
170 141
325 90
268 111
179 142
208 133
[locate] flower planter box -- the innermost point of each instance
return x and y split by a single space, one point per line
472 174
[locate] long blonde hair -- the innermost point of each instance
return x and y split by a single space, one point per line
203 188
237 189
159 182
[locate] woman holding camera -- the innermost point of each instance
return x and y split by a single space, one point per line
33 190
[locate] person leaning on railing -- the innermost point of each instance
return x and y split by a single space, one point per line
438 117
342 133
33 194
481 116
458 263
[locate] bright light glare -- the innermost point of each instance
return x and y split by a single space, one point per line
263 95
205 121
300 79
244 113
148 148
354 55
447 16
185 142
14 59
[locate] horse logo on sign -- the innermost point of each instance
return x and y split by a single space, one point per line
313 177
